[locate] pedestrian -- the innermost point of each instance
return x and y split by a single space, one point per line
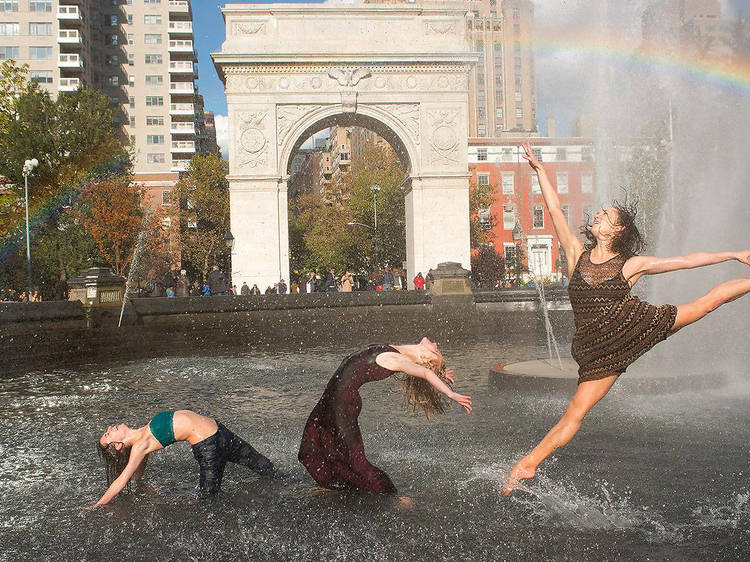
206 291
233 290
271 290
419 282
195 290
347 282
255 290
183 284
218 281
169 282
245 290
388 280
331 282
310 285
281 287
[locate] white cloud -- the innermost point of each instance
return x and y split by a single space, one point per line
222 134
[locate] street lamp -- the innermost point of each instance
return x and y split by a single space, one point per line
229 243
28 166
517 239
375 188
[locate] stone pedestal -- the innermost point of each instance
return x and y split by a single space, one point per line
449 279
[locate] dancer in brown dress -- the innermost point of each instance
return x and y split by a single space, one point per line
613 327
332 450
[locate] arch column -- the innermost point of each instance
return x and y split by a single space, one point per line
437 223
261 253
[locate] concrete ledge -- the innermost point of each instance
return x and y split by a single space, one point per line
15 312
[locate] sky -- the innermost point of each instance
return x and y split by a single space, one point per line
560 73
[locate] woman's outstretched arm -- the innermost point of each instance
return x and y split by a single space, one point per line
637 266
397 362
570 243
136 456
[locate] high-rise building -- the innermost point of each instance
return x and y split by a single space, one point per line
678 24
140 53
502 93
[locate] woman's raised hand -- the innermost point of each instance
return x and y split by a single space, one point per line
449 376
529 156
465 401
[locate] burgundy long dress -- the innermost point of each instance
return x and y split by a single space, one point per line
332 450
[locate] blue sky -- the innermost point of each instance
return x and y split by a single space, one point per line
209 35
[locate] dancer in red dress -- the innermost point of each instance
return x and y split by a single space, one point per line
332 448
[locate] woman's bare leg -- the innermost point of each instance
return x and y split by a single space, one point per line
587 395
721 294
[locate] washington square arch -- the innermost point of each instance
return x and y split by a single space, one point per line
290 70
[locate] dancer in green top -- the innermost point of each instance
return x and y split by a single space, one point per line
125 450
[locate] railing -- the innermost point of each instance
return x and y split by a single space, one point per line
69 84
183 146
180 27
68 36
182 108
182 66
181 45
179 6
70 60
181 88
180 165
184 127
68 13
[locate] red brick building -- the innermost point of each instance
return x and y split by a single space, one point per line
518 216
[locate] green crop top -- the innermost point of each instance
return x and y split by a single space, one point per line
162 428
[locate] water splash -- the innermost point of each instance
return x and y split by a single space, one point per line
733 514
134 265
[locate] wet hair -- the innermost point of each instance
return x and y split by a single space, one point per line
114 461
629 241
418 393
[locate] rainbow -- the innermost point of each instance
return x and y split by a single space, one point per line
718 70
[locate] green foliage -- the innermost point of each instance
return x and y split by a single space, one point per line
487 267
204 213
480 197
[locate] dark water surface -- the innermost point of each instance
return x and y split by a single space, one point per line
648 478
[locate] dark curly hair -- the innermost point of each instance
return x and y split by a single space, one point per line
629 242
114 461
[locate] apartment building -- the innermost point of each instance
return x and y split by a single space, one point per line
502 87
139 52
518 219
686 23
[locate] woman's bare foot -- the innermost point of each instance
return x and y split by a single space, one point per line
405 502
522 471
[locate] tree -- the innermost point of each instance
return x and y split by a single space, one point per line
203 195
111 210
487 267
481 222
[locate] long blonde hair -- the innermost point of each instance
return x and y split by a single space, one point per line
419 393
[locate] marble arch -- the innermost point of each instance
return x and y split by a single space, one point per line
292 69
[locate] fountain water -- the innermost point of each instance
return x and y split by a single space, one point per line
134 264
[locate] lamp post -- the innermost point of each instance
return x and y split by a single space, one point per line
28 167
375 188
229 243
517 239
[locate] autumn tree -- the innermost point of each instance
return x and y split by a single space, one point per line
111 211
487 267
203 195
481 221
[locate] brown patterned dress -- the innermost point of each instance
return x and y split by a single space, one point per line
613 327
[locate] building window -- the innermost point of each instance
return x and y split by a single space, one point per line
519 113
519 96
152 38
113 81
516 13
41 76
43 28
480 45
587 154
154 80
130 19
482 154
131 38
131 101
114 39
537 152
153 59
509 218
509 183
562 182
507 155
498 47
9 53
535 187
35 5
483 179
566 213
154 100
587 183
482 130
10 29
132 120
152 1
155 158
154 139
499 114
40 53
510 255
152 19
152 120
12 6
166 196
538 216
562 154
131 59
131 80
481 112
113 21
